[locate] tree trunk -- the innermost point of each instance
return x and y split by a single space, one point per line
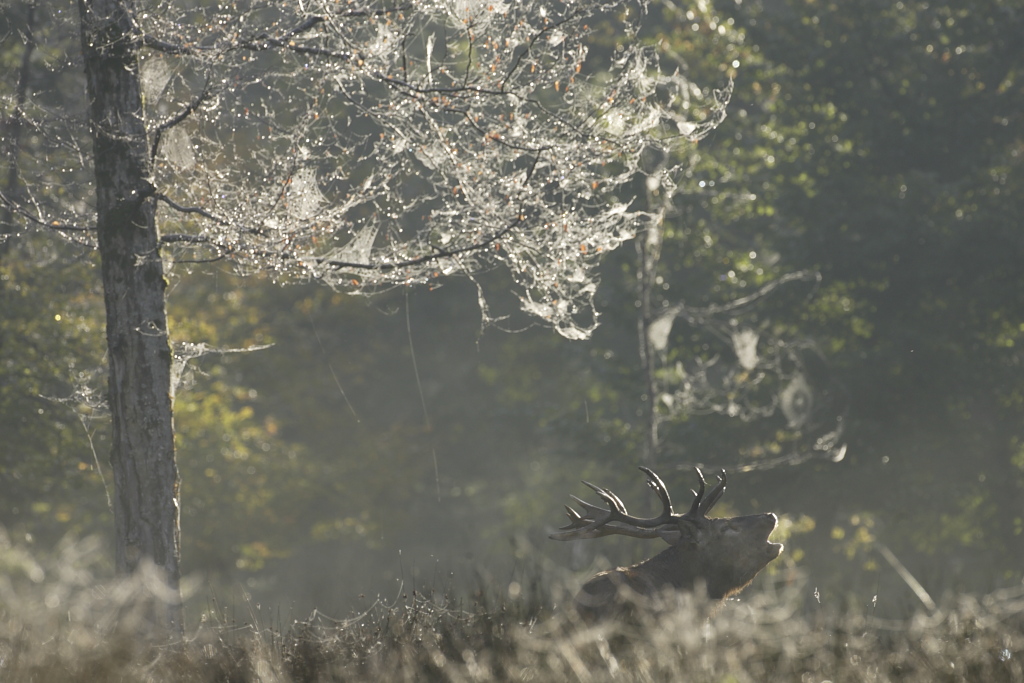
142 456
648 249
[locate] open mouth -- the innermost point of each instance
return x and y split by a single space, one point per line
774 549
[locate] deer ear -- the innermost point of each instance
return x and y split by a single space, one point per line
683 534
671 535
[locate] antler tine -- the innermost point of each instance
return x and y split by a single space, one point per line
608 497
713 497
589 508
593 516
597 521
659 488
698 496
578 522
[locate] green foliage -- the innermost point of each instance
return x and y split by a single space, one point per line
50 336
893 173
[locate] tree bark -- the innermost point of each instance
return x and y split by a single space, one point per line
648 249
145 474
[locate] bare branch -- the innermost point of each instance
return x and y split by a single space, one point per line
187 111
38 220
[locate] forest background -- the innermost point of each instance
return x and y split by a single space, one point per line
841 308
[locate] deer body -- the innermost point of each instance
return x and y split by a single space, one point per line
723 554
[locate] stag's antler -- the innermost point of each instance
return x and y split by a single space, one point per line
596 521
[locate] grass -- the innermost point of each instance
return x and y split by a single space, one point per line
71 628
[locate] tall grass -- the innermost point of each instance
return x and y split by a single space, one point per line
60 624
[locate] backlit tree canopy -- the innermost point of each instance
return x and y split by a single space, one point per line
371 145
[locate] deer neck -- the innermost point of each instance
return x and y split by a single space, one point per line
681 568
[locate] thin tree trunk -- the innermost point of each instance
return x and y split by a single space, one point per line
12 130
648 247
142 457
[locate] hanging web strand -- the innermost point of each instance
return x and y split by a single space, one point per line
330 367
423 400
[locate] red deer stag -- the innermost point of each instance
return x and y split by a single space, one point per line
723 554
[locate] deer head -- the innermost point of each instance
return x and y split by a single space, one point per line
723 554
